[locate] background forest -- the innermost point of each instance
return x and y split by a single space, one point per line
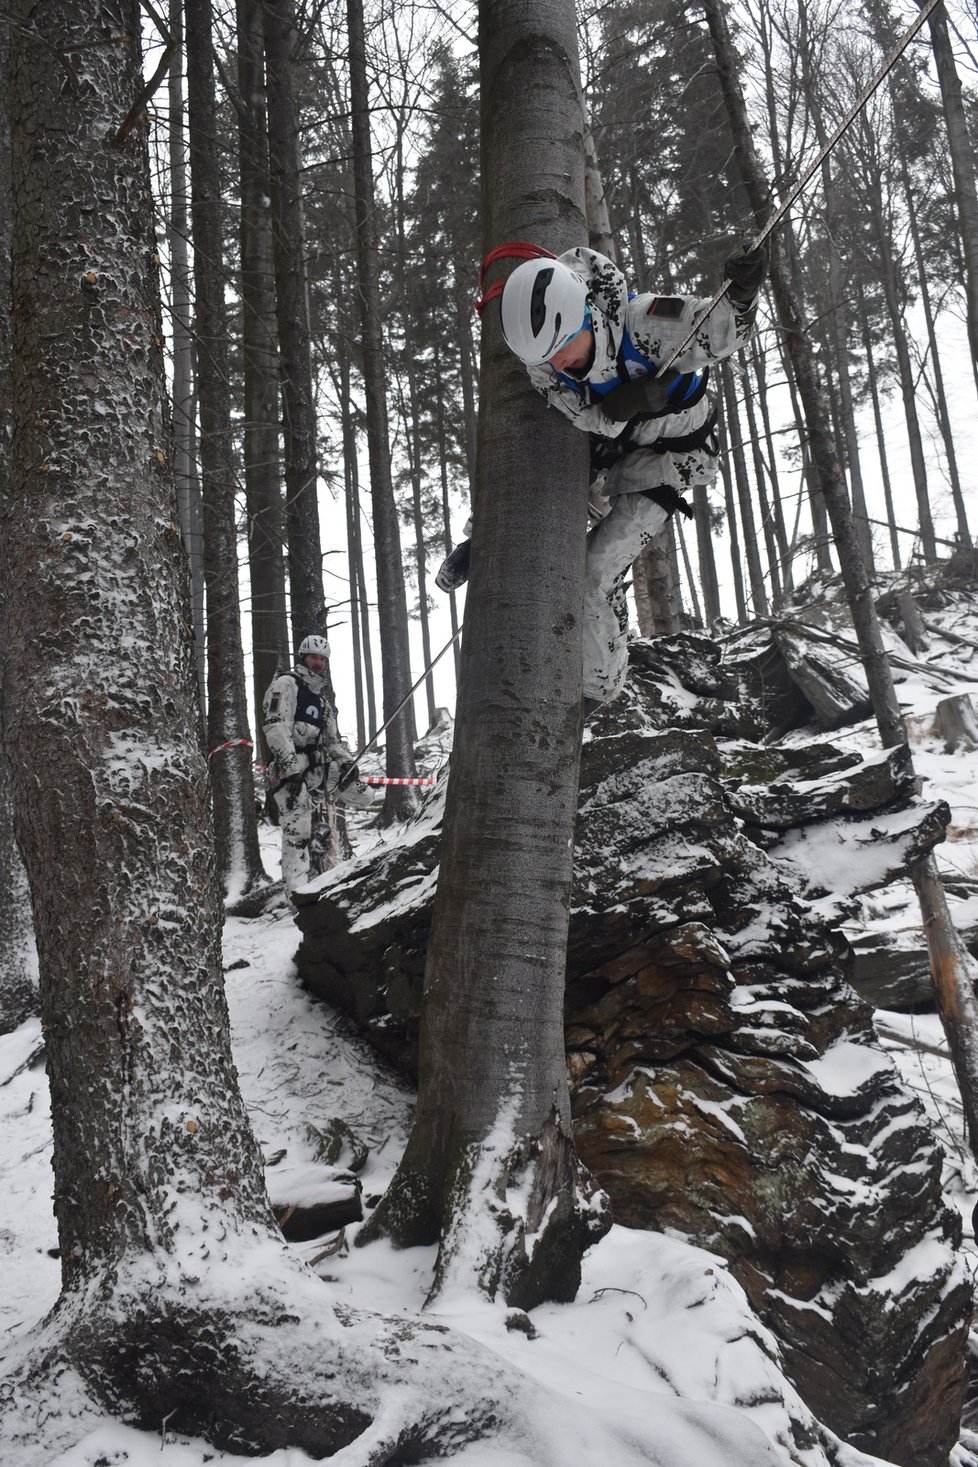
346 246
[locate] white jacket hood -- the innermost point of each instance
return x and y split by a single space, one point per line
607 300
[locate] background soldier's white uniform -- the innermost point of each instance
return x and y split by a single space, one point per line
308 761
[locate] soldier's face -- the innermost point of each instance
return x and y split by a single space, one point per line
316 663
575 353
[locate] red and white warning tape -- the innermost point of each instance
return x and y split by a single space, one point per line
370 779
231 744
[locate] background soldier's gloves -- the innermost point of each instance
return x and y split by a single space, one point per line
632 399
349 772
746 271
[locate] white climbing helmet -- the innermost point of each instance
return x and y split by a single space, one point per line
543 305
317 645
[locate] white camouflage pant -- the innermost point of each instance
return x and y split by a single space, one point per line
611 547
295 822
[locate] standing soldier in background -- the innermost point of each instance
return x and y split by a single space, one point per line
309 759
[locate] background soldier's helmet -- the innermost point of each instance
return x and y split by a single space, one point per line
543 306
317 645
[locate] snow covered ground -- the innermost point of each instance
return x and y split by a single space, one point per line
659 1328
660 1341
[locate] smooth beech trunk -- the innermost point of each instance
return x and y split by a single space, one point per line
490 1170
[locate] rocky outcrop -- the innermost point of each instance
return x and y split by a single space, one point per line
727 1082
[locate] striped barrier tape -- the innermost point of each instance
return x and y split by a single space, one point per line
370 779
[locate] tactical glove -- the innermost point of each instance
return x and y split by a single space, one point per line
454 569
746 271
643 395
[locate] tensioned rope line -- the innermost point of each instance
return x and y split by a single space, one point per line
403 703
888 63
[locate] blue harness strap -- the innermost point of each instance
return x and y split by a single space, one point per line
684 393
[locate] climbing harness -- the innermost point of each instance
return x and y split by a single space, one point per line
889 61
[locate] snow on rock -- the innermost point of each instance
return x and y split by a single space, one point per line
728 1086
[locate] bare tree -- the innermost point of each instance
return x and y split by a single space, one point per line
954 971
270 650
395 653
18 997
307 605
962 150
228 742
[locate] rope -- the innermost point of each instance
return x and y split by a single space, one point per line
518 249
403 703
888 62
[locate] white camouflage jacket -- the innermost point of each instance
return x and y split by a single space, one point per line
293 738
656 325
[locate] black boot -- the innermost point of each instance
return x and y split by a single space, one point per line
454 570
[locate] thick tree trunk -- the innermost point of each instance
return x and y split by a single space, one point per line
493 1113
229 747
395 650
18 996
270 650
117 846
181 1304
307 604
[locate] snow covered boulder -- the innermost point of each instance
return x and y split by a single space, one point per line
728 1086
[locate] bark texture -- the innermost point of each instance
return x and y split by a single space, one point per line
159 1186
490 1161
395 652
230 750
